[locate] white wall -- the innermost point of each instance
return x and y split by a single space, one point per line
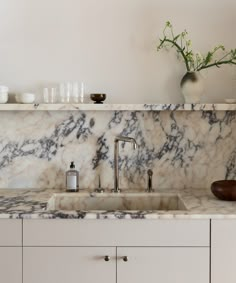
110 44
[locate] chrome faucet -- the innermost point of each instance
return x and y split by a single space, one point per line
116 161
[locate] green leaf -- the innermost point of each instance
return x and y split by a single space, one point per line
208 58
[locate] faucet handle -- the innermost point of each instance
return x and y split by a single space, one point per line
99 190
150 175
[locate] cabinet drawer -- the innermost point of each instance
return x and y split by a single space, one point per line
10 232
116 232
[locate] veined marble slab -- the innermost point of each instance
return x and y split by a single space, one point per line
31 204
117 107
184 149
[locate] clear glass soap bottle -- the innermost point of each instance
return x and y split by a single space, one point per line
72 179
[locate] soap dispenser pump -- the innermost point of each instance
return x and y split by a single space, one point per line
72 179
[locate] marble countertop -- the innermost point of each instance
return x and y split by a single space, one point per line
119 107
32 204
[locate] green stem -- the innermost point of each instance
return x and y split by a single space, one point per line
225 56
181 52
160 46
216 64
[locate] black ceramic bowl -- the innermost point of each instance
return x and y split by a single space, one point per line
224 190
98 97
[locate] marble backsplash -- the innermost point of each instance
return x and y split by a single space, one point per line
184 149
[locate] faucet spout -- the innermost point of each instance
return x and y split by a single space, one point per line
116 159
126 139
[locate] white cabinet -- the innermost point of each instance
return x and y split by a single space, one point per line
69 264
10 265
11 251
167 251
165 265
223 251
59 251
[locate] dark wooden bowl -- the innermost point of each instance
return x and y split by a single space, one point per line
224 190
98 97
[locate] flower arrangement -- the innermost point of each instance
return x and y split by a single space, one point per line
195 62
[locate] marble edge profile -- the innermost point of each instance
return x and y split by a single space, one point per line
116 215
117 107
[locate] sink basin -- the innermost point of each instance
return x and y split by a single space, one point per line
113 202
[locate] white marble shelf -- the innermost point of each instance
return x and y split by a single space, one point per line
117 107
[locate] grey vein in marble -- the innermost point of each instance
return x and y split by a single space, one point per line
184 149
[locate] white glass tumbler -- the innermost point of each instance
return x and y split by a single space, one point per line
50 95
75 93
65 92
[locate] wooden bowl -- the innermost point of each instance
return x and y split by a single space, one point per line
224 190
98 97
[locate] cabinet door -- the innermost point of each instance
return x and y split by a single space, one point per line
165 265
223 251
69 264
11 265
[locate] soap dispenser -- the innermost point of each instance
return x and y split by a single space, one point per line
72 179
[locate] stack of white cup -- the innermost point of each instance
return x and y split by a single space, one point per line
3 94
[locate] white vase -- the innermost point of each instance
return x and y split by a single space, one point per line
192 87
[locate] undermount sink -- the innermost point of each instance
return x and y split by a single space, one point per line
116 202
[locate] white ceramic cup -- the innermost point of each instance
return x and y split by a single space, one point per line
3 94
18 99
27 98
3 97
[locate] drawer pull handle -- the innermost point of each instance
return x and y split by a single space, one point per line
125 258
107 258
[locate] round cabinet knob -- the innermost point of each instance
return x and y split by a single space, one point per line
125 258
107 258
